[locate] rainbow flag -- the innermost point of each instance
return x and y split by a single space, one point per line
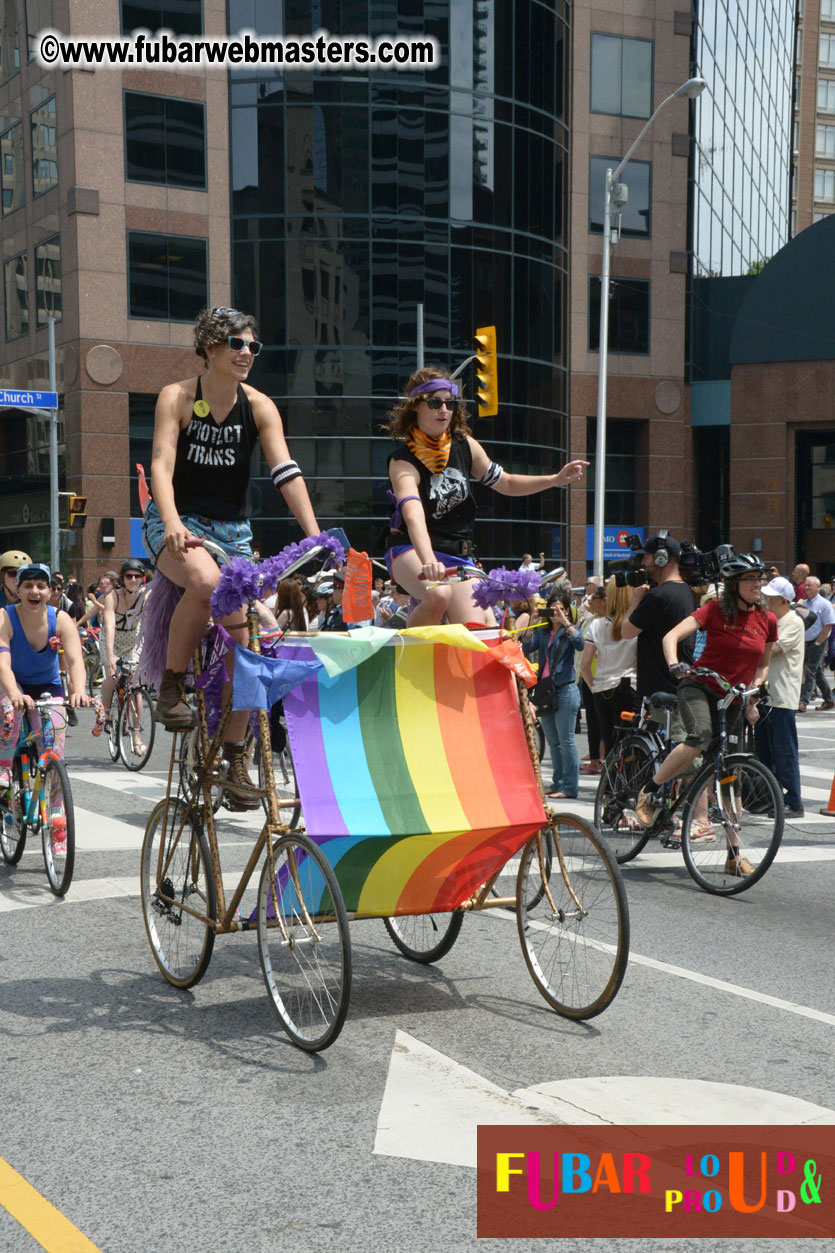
414 775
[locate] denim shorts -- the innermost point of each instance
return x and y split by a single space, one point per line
235 538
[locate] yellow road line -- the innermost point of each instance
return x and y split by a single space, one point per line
51 1229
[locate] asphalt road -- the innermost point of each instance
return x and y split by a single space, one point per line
159 1120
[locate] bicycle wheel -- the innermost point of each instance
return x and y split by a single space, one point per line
95 675
575 950
12 826
286 788
425 938
191 769
628 765
181 882
57 826
747 825
303 943
112 731
136 728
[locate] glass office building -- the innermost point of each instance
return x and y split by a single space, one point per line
357 197
744 49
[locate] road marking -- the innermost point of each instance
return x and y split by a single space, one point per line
50 1228
432 1105
637 1100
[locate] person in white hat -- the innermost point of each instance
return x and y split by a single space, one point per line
775 734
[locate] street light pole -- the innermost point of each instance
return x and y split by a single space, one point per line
692 88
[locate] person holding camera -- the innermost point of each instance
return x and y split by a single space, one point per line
556 695
660 602
740 636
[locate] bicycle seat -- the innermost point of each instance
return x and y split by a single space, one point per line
664 700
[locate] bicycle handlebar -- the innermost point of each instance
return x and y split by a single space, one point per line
701 672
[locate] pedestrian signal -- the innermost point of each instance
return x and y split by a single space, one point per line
72 511
487 372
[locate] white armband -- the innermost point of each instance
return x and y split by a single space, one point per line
491 475
284 472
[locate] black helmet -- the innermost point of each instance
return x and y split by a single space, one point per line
132 563
735 566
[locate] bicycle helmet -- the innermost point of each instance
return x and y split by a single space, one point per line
132 563
14 559
735 566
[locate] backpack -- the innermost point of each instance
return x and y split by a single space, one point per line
806 615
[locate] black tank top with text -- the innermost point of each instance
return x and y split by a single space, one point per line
447 498
211 470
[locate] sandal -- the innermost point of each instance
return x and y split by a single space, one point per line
556 796
591 768
139 747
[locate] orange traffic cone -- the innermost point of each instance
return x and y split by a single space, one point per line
830 810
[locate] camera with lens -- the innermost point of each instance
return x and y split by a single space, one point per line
699 567
629 572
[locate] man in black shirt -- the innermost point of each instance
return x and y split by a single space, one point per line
656 609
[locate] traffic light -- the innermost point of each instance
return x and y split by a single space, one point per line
487 372
72 511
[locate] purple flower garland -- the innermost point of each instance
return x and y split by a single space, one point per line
504 584
242 580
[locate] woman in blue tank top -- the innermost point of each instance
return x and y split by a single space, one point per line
29 662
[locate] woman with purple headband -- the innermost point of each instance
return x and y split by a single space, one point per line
434 508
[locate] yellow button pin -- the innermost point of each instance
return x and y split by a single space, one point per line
201 408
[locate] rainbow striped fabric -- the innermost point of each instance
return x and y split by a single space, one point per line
414 775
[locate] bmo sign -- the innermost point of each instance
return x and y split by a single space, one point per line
615 546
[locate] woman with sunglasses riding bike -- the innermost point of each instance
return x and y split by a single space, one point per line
206 429
434 507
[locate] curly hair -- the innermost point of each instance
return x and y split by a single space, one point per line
403 415
728 600
213 325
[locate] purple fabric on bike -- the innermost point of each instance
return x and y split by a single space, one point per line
260 681
302 711
160 603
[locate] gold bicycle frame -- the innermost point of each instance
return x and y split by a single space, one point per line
199 804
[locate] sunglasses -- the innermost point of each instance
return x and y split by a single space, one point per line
132 574
435 402
237 343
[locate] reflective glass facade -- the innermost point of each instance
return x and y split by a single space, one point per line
357 197
744 49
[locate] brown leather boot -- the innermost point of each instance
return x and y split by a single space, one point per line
173 711
237 784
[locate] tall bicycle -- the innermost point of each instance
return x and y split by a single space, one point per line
569 898
733 806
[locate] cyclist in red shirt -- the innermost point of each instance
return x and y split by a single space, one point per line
740 637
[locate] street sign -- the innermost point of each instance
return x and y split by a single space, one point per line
615 547
27 400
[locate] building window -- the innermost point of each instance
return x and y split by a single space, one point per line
9 47
44 148
636 217
38 18
828 10
827 50
165 140
794 222
818 217
621 76
826 95
628 315
48 280
167 276
825 141
11 168
825 185
183 17
16 284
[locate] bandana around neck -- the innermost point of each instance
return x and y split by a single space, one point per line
431 450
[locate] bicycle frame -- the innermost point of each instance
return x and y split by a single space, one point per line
34 765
